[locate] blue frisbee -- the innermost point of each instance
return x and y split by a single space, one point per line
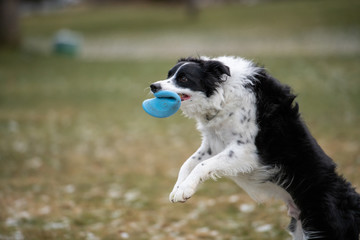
165 104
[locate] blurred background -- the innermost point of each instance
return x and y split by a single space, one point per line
80 159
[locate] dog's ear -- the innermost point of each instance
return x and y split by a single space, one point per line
217 68
214 71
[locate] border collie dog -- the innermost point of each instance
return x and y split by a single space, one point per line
252 133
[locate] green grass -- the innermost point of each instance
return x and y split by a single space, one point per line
81 160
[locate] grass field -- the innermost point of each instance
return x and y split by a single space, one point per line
81 160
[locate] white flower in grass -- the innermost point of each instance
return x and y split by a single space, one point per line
124 235
34 163
11 222
91 236
69 188
44 210
20 146
132 195
247 208
234 198
64 224
114 193
18 235
264 228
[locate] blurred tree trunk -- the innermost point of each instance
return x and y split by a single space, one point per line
192 8
9 24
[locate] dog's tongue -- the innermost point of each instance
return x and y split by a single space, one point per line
184 97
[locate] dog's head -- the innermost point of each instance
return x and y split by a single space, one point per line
197 82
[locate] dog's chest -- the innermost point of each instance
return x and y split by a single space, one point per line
237 128
217 141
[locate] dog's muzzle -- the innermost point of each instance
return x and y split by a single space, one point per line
155 87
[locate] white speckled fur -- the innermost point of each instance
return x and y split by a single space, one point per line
227 122
225 119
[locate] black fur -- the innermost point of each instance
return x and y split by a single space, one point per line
201 75
328 203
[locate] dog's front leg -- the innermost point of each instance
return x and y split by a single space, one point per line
203 153
230 162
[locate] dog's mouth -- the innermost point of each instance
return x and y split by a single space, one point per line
183 96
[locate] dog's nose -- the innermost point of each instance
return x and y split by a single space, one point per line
155 87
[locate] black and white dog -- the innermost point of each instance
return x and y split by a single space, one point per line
253 133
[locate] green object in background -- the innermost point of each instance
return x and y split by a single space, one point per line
67 42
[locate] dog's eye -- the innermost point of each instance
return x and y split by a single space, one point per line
183 79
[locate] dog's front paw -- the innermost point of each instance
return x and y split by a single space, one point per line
181 193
